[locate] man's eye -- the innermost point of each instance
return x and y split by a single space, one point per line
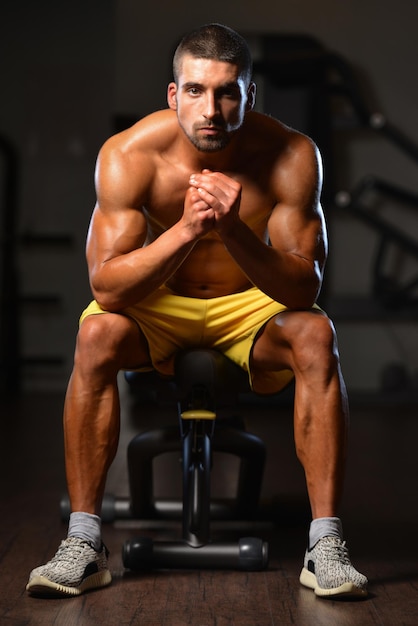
230 93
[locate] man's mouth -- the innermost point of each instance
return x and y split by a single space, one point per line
211 130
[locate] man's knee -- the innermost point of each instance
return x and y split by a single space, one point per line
316 329
101 337
312 338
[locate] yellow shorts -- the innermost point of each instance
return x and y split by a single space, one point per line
229 324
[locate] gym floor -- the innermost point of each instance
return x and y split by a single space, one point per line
380 515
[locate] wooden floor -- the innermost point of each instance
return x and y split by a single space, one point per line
380 518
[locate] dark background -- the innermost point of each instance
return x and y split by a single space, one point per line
70 71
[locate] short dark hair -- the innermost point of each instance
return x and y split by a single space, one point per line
216 42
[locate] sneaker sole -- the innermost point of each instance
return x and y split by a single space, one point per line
307 579
40 585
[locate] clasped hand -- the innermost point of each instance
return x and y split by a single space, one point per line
212 202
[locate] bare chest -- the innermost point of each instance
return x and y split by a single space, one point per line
164 206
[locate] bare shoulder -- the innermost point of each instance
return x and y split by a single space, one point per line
279 140
291 158
283 142
153 133
134 150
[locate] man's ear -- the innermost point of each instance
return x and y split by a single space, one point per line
251 92
172 96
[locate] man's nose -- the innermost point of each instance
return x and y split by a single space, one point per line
211 106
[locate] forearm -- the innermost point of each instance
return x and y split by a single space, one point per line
126 279
284 276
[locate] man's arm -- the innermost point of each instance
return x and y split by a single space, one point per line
122 269
290 269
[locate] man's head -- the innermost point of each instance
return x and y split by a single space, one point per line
217 43
213 88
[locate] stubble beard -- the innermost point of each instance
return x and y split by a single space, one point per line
209 143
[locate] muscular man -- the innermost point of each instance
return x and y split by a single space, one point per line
208 231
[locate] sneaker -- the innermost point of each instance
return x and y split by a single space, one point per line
328 570
75 568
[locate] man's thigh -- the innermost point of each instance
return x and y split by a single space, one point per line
273 358
118 336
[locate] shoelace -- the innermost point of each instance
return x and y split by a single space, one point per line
337 552
68 553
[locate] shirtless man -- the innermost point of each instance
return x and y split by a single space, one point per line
208 231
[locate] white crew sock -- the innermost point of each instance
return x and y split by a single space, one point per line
86 526
324 527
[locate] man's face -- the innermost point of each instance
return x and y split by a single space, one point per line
210 98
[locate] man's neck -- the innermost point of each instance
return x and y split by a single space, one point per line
218 160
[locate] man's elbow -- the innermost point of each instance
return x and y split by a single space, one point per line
107 300
301 302
307 294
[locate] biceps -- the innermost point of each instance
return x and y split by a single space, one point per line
113 234
299 232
